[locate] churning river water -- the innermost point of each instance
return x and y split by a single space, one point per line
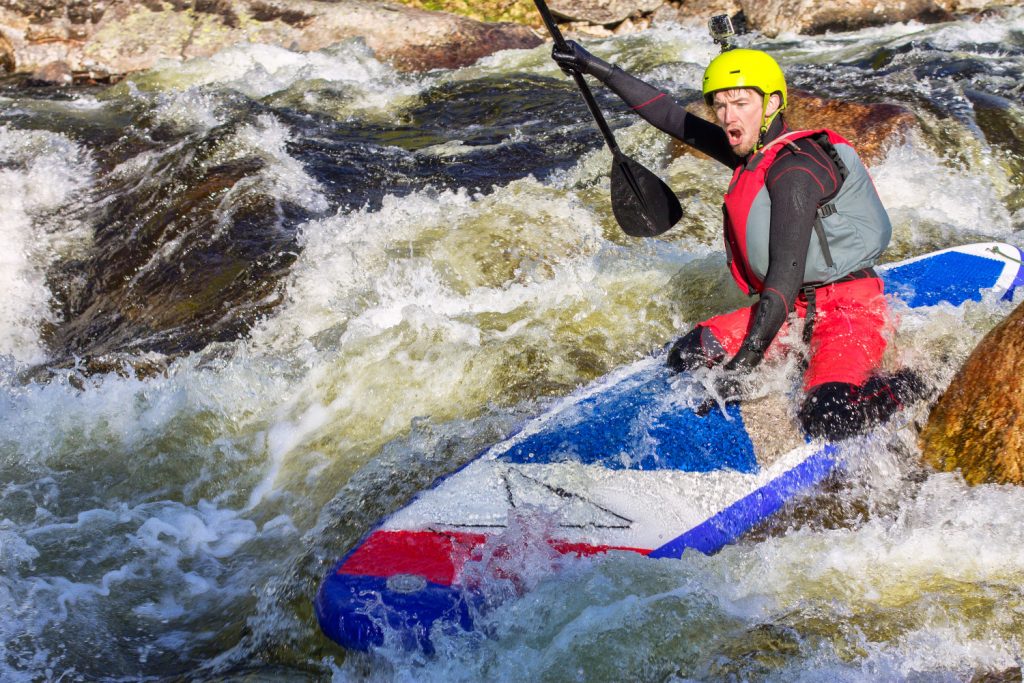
254 302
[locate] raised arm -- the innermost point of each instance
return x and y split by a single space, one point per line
653 105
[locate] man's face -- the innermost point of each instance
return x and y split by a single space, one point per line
739 113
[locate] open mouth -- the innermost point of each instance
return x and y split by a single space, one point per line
735 135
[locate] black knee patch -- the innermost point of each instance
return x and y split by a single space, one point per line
836 410
830 411
697 348
883 395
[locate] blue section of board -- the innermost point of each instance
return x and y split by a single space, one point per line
633 425
353 610
952 277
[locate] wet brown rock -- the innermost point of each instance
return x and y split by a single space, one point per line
773 17
122 36
124 297
603 12
871 128
7 61
54 73
976 427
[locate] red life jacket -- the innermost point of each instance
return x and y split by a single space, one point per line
852 228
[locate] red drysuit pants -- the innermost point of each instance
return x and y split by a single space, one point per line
851 327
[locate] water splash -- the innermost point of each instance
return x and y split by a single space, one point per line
41 173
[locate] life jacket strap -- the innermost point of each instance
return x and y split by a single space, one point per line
819 229
810 296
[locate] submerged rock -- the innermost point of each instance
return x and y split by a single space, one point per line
183 257
976 426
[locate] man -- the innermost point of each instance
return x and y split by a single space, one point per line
803 228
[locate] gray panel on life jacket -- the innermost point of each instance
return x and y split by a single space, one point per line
856 233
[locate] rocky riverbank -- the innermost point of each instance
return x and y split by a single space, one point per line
61 41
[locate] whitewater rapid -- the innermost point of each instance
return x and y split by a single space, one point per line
444 263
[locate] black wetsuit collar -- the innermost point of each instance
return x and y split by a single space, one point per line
778 127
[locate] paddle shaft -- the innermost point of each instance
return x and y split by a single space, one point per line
644 206
588 96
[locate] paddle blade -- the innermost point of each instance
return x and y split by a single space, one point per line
643 204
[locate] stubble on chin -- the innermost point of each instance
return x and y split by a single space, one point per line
742 150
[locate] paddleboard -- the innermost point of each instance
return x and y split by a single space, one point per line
623 464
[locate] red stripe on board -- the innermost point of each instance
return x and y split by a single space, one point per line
586 550
437 556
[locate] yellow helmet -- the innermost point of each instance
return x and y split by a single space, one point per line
740 68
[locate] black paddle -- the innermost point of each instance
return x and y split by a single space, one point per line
643 204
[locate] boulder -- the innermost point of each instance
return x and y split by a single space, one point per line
697 12
977 425
871 128
122 36
773 17
416 40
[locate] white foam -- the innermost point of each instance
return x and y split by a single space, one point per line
922 193
176 551
40 174
191 108
363 265
284 177
998 28
365 85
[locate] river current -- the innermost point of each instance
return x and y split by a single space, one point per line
255 302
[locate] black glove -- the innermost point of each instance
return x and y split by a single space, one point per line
747 358
573 58
729 384
698 348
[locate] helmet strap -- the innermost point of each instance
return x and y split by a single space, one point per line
766 121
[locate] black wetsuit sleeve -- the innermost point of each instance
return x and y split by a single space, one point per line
665 114
798 182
